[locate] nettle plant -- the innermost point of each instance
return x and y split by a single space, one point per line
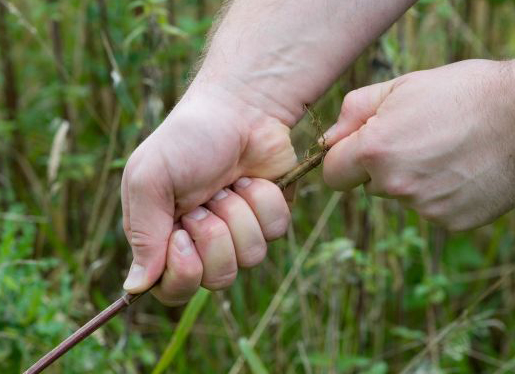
39 309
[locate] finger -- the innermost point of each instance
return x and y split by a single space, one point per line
268 204
357 107
342 169
249 243
214 245
183 272
150 224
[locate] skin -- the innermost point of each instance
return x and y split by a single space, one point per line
440 141
267 60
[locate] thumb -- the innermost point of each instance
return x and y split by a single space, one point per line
357 107
149 225
342 167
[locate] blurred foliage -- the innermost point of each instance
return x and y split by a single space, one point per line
84 81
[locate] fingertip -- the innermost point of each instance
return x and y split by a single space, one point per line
136 280
182 243
183 272
328 138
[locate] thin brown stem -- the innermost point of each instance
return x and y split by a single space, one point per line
85 331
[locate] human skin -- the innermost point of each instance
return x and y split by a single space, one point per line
440 141
267 60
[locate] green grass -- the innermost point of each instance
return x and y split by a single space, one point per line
358 285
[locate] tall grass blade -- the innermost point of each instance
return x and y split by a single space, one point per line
252 358
183 329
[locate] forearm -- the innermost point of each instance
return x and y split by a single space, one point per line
279 55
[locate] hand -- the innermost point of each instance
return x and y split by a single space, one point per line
208 142
440 141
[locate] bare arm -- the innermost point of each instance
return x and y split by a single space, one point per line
279 55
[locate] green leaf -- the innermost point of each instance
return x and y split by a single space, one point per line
183 329
173 30
255 363
135 33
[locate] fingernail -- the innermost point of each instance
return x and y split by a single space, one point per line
329 133
182 241
135 278
220 195
243 182
198 214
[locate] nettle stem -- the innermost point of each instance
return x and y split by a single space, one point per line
123 302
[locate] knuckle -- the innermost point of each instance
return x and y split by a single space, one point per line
252 256
371 148
459 223
220 282
352 101
138 174
190 274
398 186
456 226
277 228
278 144
433 212
136 181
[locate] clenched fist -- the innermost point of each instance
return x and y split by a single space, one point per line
180 217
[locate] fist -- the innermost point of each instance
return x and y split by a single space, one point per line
196 196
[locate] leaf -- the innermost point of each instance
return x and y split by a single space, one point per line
173 30
136 33
408 334
118 163
183 329
377 368
255 363
58 147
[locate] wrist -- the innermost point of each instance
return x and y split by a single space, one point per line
216 104
250 97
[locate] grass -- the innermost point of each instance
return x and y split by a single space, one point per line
358 285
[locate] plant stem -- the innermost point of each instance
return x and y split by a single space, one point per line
85 331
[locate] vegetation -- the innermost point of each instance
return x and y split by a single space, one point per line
358 286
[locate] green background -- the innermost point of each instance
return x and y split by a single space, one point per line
379 291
